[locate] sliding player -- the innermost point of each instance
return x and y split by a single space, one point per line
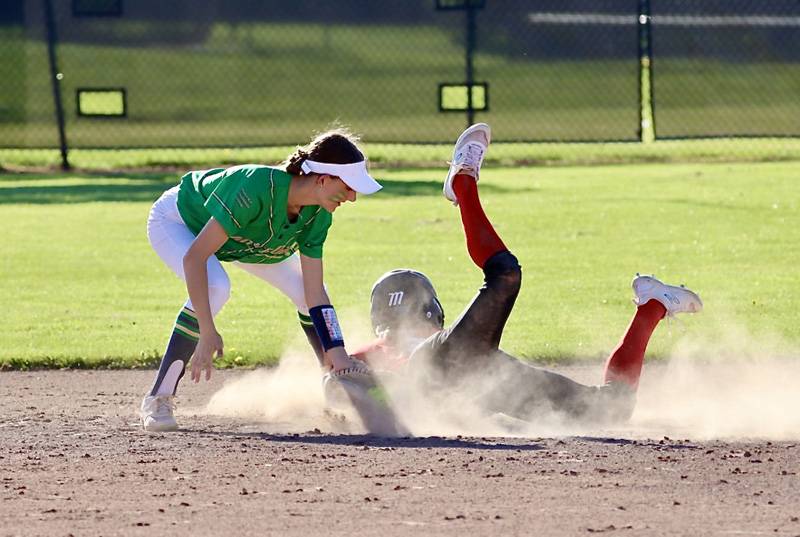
409 320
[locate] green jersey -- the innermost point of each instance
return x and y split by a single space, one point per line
250 203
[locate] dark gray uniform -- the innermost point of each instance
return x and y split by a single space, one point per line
468 351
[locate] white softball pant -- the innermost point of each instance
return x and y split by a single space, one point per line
171 238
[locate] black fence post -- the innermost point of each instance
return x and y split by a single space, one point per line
647 115
470 51
55 79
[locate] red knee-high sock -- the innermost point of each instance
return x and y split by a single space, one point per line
482 240
625 363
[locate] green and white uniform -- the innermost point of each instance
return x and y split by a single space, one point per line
249 202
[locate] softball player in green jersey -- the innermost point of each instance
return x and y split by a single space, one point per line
271 222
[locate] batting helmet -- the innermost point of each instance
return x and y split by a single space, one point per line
403 299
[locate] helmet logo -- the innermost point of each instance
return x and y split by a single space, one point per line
396 298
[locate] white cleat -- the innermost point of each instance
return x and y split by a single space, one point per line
676 299
157 413
468 156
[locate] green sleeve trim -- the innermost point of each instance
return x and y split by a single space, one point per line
313 252
312 243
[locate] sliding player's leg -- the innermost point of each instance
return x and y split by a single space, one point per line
524 391
476 333
654 300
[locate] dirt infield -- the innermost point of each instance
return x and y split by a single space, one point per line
75 462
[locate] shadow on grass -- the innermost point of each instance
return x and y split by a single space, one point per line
111 188
46 195
689 202
434 188
149 187
165 177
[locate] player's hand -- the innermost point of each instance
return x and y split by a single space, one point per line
203 357
339 360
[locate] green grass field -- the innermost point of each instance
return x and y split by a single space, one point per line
81 286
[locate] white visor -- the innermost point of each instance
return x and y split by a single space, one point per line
354 175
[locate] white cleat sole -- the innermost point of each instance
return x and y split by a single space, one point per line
483 127
158 427
447 188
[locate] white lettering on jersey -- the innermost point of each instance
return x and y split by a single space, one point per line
396 298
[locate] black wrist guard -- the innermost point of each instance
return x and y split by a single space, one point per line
327 326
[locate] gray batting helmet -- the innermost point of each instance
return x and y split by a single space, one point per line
404 298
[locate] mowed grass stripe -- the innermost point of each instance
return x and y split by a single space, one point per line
82 287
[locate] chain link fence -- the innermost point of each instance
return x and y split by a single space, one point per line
726 68
148 73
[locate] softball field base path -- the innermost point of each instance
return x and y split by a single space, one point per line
74 461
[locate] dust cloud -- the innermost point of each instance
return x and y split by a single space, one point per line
733 387
288 396
729 387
